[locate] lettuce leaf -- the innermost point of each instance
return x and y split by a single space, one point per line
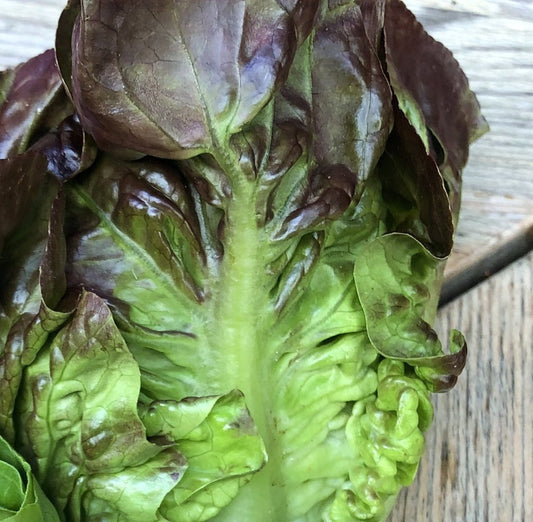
21 498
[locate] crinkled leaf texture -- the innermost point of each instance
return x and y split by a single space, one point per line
222 232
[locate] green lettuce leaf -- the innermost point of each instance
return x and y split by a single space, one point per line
78 409
397 282
222 446
21 498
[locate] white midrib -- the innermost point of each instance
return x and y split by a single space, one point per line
240 337
238 294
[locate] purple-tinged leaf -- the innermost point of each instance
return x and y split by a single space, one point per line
33 103
440 91
176 78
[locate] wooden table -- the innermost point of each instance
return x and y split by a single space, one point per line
479 461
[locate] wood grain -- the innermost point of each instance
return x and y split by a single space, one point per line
27 28
479 461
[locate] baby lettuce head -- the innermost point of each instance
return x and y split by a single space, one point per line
223 225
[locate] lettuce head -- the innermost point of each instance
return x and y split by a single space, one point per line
223 226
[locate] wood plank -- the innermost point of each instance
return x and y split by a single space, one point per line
479 453
499 8
27 28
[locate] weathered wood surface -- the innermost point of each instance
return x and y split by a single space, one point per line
27 27
478 465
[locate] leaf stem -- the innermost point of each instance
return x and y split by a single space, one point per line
240 334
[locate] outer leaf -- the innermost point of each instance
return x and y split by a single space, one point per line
397 282
440 94
33 101
78 423
30 237
209 82
32 277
